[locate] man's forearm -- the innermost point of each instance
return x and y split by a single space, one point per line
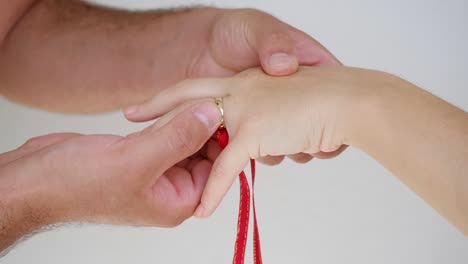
14 224
18 204
68 56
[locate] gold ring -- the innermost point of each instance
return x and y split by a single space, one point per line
220 104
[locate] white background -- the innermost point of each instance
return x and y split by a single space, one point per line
346 210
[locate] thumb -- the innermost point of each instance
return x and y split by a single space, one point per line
275 47
181 137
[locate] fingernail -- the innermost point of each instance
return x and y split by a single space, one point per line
131 110
199 212
208 114
281 60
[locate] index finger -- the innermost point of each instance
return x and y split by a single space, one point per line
174 96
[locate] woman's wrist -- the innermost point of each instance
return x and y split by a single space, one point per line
418 137
370 93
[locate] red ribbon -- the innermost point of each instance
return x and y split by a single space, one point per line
244 210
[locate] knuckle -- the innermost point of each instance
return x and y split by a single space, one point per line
278 41
315 133
278 36
328 141
252 12
258 16
220 176
218 171
328 146
249 12
32 142
301 157
50 162
182 140
311 145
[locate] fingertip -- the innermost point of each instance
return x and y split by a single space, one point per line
200 212
301 158
280 64
208 203
277 50
130 112
140 113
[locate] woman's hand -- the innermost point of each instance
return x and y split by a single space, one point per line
305 114
422 139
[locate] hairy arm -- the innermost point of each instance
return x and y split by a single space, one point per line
153 177
65 55
69 56
16 223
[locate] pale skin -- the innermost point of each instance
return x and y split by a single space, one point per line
68 56
422 139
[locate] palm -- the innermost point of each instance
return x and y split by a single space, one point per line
181 185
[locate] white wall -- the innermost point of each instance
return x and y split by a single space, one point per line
346 210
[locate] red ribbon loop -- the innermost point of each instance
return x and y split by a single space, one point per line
244 210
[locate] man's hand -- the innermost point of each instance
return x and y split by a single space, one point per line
61 51
244 38
142 179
